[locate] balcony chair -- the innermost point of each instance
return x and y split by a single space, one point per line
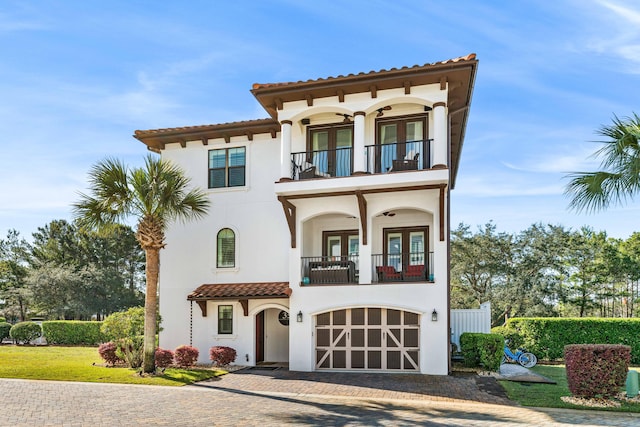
415 272
386 273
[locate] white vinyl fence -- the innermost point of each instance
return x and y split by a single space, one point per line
478 320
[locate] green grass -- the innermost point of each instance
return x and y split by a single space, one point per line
77 364
548 395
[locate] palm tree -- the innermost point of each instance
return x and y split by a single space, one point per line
619 178
154 194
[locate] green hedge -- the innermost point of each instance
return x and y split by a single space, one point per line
482 350
72 332
546 337
4 330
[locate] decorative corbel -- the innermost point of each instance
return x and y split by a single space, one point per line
290 214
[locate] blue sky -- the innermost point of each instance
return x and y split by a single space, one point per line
78 77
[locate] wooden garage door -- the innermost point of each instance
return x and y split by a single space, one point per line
368 338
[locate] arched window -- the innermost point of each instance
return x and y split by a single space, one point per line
226 256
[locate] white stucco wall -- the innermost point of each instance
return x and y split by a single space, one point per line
263 240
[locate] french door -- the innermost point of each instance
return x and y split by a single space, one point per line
405 247
330 149
400 139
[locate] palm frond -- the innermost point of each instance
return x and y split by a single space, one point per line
619 178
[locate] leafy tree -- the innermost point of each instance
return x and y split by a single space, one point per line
480 264
619 178
155 195
14 267
87 272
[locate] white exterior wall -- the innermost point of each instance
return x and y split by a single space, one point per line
188 260
263 240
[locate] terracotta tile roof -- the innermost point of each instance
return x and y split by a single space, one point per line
469 57
156 139
241 290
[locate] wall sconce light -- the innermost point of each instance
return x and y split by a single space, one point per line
299 317
434 316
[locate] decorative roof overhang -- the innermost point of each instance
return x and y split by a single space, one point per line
156 139
242 292
457 75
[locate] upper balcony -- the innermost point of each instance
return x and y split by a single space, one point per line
381 158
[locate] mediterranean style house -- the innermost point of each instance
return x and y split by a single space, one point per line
327 242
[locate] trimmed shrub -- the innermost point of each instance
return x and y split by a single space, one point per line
222 356
491 349
25 332
3 319
4 330
596 370
546 337
469 348
186 356
480 349
130 350
72 332
163 357
108 353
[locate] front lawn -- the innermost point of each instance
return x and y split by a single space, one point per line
548 395
84 364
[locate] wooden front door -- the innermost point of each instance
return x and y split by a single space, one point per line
260 337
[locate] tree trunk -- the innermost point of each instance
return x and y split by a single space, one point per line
150 308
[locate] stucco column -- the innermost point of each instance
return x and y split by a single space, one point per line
285 150
439 136
359 153
364 258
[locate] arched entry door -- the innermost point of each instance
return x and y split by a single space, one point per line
272 335
368 338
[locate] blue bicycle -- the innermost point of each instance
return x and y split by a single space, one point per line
521 356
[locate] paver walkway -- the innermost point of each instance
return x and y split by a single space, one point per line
49 403
456 388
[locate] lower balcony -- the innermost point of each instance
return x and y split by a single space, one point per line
386 268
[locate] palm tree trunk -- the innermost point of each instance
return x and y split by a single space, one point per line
150 308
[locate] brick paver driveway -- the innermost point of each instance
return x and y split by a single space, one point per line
44 403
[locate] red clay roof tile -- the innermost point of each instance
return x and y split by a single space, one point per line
241 290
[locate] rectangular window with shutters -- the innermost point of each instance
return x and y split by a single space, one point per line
227 167
225 319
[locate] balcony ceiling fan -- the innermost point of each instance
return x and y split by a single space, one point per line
382 110
388 213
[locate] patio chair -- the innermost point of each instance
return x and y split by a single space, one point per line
386 273
414 272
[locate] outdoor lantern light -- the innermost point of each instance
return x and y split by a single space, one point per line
299 316
434 316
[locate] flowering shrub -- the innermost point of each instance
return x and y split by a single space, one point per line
222 356
164 357
108 353
185 356
25 332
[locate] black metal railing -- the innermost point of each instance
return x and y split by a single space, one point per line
329 269
400 156
322 163
402 267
